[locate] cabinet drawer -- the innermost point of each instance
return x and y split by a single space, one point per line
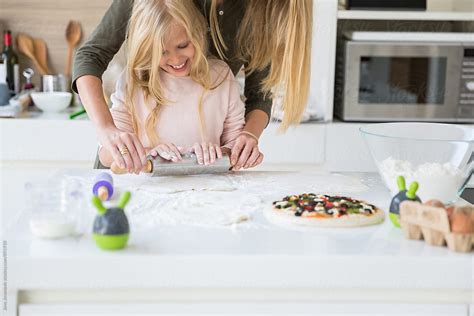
243 309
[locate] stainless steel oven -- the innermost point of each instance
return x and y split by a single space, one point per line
384 76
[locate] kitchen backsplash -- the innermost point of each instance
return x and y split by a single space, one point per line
47 19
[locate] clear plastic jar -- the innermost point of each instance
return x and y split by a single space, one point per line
55 208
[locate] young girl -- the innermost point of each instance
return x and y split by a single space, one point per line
171 96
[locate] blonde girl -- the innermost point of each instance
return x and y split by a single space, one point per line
171 96
271 39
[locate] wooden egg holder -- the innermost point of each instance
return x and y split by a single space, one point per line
432 224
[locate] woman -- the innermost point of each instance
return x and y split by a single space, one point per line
271 39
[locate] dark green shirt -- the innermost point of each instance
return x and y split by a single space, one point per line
96 53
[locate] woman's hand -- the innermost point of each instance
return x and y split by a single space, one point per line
207 153
125 148
245 153
167 151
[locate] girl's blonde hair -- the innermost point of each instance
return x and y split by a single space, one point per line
275 34
149 22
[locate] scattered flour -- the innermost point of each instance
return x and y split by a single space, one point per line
436 180
219 200
194 208
177 184
223 200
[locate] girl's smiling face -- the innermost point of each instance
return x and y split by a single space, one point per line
178 51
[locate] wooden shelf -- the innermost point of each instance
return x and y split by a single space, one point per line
404 15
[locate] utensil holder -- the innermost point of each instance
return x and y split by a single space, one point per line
55 83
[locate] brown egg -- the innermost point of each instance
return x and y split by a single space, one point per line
435 203
461 221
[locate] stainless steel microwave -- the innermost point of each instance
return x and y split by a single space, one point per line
384 76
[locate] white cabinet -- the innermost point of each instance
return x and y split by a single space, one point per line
302 144
243 309
47 139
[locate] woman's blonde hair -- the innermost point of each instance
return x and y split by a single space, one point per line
275 34
149 22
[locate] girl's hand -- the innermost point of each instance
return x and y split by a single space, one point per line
207 153
166 151
245 153
126 149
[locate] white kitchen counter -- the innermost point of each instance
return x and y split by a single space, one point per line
254 263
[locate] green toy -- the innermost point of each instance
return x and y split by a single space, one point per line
111 229
401 196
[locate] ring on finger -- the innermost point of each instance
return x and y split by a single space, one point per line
124 150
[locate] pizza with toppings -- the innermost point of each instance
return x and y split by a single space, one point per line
323 210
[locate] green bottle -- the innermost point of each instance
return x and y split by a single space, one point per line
9 68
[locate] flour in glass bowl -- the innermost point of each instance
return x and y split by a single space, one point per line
436 180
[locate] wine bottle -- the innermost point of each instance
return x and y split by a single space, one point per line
9 68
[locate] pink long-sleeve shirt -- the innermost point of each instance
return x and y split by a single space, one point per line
178 121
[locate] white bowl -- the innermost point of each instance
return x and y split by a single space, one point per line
52 102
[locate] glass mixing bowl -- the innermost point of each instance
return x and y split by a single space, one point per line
438 156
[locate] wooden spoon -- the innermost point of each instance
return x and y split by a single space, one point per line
41 53
26 46
73 36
